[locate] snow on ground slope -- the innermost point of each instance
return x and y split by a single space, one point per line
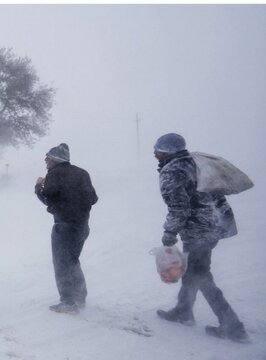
124 290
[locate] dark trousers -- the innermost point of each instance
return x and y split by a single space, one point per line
198 277
67 242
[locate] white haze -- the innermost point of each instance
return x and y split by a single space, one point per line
198 70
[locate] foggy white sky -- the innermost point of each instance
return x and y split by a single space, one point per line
198 70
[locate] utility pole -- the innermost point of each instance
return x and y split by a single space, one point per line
7 167
137 120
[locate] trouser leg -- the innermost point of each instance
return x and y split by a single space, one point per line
219 305
187 295
198 265
67 244
199 277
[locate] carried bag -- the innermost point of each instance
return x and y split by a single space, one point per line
171 264
215 174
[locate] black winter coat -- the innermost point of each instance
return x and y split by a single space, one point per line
68 193
199 218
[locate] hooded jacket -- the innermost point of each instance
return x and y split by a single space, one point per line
68 193
198 217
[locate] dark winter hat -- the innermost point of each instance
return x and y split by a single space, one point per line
59 153
170 143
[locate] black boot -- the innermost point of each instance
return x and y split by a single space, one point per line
236 332
216 331
64 308
177 316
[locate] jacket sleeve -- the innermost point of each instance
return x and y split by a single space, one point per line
93 196
88 189
39 193
173 190
50 192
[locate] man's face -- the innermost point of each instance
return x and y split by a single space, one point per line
160 155
50 163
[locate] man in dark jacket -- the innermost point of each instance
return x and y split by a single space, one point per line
68 193
201 220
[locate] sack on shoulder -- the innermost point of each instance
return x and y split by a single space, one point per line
215 174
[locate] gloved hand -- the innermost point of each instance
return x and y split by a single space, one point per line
169 239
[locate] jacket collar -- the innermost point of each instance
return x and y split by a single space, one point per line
179 155
60 164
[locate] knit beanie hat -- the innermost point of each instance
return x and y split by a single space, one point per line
59 153
170 143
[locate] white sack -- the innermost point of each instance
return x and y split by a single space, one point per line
215 174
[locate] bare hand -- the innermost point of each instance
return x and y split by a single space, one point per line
40 181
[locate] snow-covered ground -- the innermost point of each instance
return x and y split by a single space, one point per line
124 290
195 70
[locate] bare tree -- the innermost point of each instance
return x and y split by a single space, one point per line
25 103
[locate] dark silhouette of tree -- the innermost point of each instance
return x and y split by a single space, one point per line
25 103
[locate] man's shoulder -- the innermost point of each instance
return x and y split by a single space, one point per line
179 164
179 171
78 170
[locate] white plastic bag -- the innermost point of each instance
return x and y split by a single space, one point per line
170 262
215 174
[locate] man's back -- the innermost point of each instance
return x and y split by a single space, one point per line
69 193
205 217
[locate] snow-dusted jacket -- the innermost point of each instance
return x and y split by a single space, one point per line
198 217
68 193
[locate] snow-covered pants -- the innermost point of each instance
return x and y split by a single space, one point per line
199 277
67 243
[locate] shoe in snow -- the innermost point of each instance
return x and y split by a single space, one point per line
236 333
215 331
176 316
64 308
81 304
